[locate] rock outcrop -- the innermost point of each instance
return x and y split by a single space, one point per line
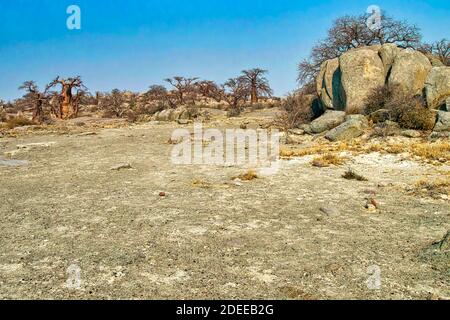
353 127
443 122
344 83
409 71
362 71
437 87
331 119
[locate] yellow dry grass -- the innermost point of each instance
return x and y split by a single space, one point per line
327 160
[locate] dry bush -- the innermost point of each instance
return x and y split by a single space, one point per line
352 175
378 98
3 115
434 189
327 160
409 112
248 176
199 183
18 122
432 151
297 110
413 114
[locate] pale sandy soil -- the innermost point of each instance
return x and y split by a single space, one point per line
266 238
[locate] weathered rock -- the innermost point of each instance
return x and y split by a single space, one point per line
331 119
411 133
443 121
329 85
362 71
409 71
353 127
379 116
164 115
388 53
183 121
306 128
437 87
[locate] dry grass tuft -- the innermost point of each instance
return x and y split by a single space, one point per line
327 160
434 189
198 183
352 175
248 176
18 122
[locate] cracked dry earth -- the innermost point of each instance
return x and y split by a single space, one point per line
262 239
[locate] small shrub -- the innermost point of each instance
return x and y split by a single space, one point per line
297 110
378 98
327 160
434 189
410 112
352 175
19 121
3 115
248 176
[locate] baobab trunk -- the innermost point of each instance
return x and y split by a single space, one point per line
254 94
38 111
66 106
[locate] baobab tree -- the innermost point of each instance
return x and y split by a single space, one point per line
235 92
256 84
209 89
34 99
68 104
183 87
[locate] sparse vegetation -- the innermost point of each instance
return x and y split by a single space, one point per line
248 176
434 189
409 112
19 121
328 160
352 175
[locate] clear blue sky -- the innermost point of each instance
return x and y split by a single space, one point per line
133 44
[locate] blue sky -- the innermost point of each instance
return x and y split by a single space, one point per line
133 44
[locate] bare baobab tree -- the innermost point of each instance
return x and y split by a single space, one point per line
209 89
235 92
183 87
256 84
114 103
34 99
68 103
441 49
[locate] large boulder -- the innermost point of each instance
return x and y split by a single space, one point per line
388 54
164 115
362 71
437 87
329 85
353 127
331 119
409 72
443 121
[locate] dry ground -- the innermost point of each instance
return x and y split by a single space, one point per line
303 233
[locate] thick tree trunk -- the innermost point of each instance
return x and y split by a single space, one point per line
38 112
254 95
66 106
